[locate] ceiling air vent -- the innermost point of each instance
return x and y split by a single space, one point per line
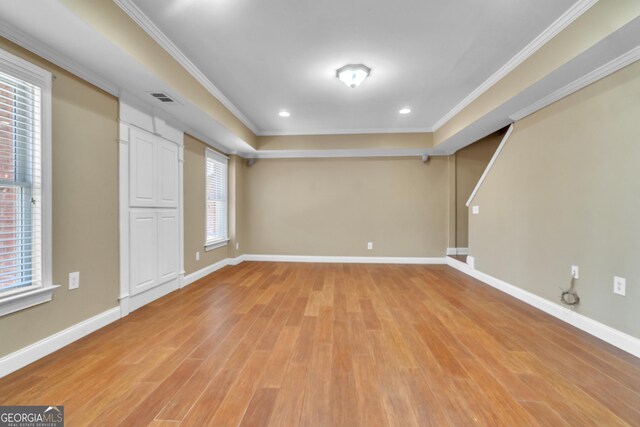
162 97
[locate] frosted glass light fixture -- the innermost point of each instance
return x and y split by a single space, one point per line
353 74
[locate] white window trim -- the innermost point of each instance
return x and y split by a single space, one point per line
19 299
217 243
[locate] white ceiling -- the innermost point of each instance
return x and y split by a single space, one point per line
54 32
265 56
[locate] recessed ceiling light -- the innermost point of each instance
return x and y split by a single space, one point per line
405 110
353 74
284 114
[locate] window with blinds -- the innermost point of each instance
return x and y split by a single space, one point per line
20 185
216 198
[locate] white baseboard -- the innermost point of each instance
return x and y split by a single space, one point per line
139 300
606 333
235 261
343 259
457 251
21 358
197 275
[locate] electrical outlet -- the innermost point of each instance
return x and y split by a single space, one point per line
237 246
475 210
74 280
575 272
370 245
197 256
619 285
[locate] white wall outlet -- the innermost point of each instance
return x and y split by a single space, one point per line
575 272
370 245
471 261
197 256
619 285
237 246
475 210
74 280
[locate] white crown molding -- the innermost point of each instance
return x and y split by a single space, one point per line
323 154
18 37
21 358
543 38
599 330
599 73
491 162
156 34
345 131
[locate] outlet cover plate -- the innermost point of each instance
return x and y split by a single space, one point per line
74 280
575 272
619 286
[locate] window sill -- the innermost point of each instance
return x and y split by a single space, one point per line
215 245
16 302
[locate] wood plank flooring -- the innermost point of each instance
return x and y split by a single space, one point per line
335 345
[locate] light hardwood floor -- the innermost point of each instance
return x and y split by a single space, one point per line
335 345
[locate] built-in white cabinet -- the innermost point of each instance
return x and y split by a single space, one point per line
154 248
151 221
153 171
143 232
168 244
168 177
142 168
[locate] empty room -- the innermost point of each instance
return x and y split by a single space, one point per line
319 213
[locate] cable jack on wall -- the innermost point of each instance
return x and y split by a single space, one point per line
570 297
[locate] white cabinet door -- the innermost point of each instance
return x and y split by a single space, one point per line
143 227
168 244
167 175
143 168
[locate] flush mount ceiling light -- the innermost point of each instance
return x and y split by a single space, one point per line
405 110
284 114
353 74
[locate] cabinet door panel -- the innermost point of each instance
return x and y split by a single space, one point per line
143 152
167 175
143 251
168 244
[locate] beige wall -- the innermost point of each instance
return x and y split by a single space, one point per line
85 209
335 206
194 207
565 191
471 162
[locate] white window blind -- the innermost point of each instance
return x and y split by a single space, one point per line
216 197
20 184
